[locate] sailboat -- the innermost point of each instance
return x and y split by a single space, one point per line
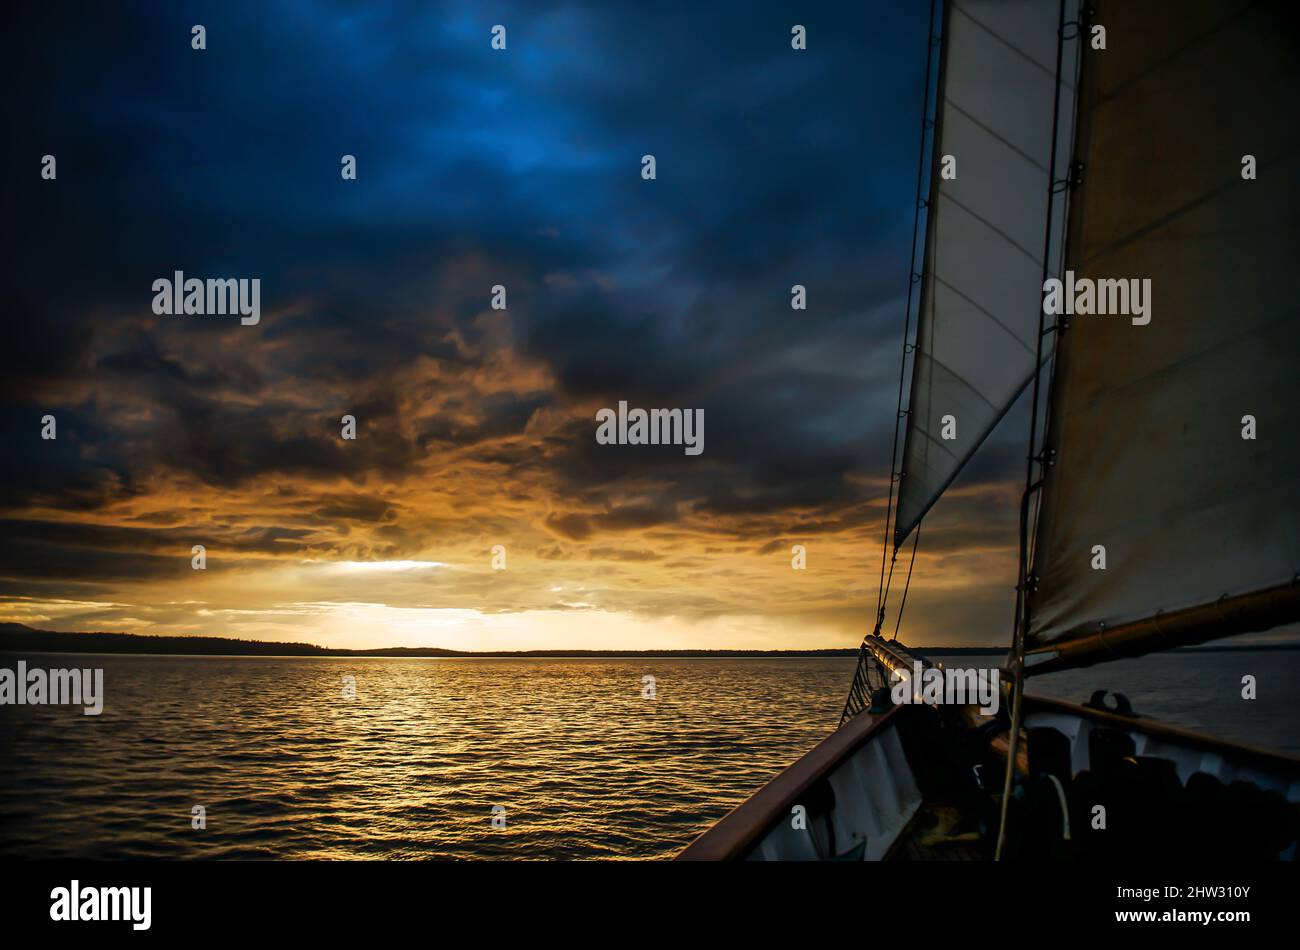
1072 148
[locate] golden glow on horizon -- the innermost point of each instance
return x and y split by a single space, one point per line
409 563
365 566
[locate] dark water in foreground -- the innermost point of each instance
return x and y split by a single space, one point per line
584 766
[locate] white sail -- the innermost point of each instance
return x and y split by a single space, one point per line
982 279
1176 478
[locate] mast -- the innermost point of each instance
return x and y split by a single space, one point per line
1034 460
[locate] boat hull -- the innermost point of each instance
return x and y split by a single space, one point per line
922 782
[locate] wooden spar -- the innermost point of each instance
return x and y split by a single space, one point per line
892 655
1225 617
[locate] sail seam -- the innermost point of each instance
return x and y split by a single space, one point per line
948 103
1015 336
1229 21
949 370
1170 217
993 227
1121 391
1003 40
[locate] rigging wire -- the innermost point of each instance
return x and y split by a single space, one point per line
1025 582
859 690
907 584
914 278
1059 326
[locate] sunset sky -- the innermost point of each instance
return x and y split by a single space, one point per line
475 427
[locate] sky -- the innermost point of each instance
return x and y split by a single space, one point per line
475 427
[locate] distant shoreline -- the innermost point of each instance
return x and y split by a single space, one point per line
16 638
19 638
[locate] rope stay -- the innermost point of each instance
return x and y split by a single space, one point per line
1036 463
859 697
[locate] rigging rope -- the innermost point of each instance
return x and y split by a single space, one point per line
859 691
1025 581
907 584
915 277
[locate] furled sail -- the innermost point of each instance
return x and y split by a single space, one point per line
982 278
1171 512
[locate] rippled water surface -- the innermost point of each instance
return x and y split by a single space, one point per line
412 767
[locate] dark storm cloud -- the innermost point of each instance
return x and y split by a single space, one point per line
66 550
475 168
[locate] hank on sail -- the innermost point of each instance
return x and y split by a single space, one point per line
1105 141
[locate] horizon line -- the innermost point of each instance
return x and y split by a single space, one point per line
11 633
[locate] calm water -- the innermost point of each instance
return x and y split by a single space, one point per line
412 767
